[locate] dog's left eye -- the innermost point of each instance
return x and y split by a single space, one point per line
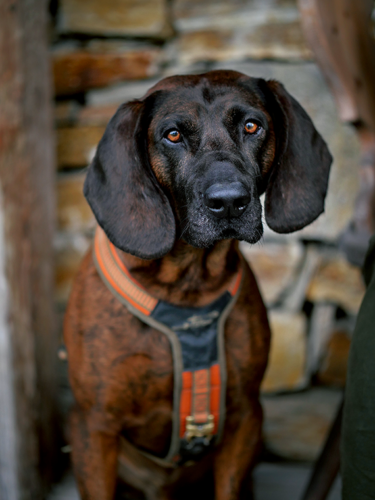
251 127
174 136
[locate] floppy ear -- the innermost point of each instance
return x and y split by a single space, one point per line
298 180
123 192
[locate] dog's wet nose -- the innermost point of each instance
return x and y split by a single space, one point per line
227 199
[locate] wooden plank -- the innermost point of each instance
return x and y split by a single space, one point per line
28 416
79 70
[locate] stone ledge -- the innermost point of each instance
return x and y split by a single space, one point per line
218 31
334 362
286 370
275 265
73 212
296 425
148 18
336 281
279 41
117 94
76 145
69 252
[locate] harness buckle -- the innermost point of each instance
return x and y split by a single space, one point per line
194 430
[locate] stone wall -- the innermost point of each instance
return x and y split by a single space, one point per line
105 53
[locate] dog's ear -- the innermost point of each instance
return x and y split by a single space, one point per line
298 180
123 192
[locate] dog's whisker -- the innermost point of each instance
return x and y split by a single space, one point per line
186 228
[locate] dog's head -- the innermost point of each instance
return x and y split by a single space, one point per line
191 158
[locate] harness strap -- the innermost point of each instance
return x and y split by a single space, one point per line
116 275
199 392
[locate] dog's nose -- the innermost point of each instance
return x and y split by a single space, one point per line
227 200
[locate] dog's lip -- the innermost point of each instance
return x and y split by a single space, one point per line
207 221
206 240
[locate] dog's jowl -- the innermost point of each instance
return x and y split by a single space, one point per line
167 334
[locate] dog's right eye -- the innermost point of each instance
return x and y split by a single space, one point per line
173 136
251 127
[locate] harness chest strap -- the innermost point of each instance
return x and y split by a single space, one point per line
199 391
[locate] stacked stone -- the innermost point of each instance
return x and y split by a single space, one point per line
105 53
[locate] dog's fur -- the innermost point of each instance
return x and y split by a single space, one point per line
148 194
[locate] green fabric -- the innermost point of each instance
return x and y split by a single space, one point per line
358 433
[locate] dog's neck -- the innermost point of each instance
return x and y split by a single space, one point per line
187 275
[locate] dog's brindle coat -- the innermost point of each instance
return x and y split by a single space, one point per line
176 209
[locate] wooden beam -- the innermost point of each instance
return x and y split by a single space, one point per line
28 341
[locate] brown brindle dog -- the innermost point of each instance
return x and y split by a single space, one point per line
175 184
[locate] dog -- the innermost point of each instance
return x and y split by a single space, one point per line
174 184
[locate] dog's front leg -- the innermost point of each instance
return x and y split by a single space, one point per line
94 453
238 452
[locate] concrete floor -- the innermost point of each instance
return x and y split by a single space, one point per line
285 482
272 482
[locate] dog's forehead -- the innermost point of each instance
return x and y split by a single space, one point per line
212 78
188 94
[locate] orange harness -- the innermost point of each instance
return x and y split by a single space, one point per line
196 336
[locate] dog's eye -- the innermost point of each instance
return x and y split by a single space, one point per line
174 136
251 127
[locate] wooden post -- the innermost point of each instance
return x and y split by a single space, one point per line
340 33
28 340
